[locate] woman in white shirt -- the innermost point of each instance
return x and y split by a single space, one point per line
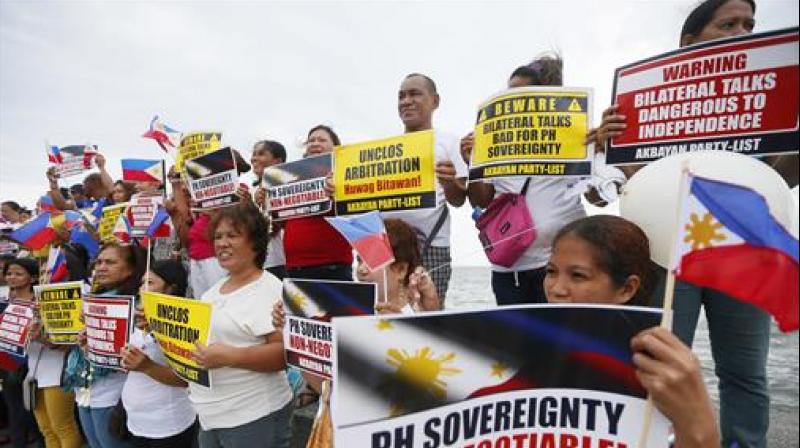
170 423
250 402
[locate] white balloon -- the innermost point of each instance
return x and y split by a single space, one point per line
650 197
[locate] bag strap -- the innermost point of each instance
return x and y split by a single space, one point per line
435 231
525 187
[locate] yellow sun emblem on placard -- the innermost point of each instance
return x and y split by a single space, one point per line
499 369
423 370
383 325
298 300
702 233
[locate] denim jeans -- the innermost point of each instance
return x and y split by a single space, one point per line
94 422
272 431
513 288
739 335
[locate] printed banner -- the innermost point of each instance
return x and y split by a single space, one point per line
177 323
60 309
141 212
395 173
533 131
535 375
108 220
196 144
297 189
109 324
213 179
15 326
72 160
738 94
309 306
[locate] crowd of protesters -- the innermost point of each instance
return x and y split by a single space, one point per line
235 259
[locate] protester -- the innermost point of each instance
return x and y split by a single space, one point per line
739 332
606 259
551 201
159 413
268 153
417 100
10 212
20 275
314 249
118 271
245 353
122 191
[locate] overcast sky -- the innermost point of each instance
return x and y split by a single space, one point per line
97 71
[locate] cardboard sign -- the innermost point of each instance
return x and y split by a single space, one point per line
60 308
177 324
141 211
109 324
535 375
72 160
297 189
108 220
391 174
15 325
737 94
195 145
212 179
309 306
533 131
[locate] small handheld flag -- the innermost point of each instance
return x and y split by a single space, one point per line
57 266
164 135
368 237
138 170
160 226
122 228
36 233
731 242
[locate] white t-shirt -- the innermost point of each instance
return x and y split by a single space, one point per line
275 254
104 392
45 364
155 410
553 203
241 319
446 149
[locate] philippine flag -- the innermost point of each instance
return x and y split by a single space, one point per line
138 170
57 266
368 237
46 204
164 135
160 226
36 233
729 241
53 154
122 229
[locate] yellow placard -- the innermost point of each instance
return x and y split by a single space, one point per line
177 324
60 309
109 219
533 131
196 144
395 173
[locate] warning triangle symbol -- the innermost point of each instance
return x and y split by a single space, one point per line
213 137
482 116
574 106
76 294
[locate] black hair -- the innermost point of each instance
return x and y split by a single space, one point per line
174 275
546 70
76 188
13 205
247 219
428 81
133 256
329 130
702 14
30 265
275 148
621 249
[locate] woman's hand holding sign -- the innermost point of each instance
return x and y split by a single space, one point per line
671 372
214 356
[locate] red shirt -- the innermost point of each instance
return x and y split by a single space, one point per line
200 246
312 241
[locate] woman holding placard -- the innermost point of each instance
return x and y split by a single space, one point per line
118 270
739 332
20 274
606 259
250 401
170 424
